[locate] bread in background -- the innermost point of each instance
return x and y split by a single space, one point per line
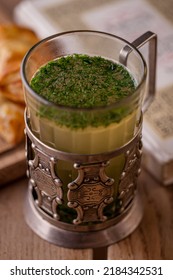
11 121
15 41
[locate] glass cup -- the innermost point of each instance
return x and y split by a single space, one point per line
89 157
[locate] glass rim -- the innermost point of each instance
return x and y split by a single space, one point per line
46 102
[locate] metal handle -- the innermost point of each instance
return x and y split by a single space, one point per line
152 59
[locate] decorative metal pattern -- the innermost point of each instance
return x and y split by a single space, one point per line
45 182
90 192
128 181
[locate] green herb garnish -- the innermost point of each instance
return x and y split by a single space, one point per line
82 81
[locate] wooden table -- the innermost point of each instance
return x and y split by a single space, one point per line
153 239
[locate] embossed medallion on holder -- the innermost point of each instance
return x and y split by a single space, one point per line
90 192
45 182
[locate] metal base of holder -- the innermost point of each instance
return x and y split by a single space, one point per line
81 240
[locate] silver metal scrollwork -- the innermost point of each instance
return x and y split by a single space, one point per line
90 192
128 181
45 182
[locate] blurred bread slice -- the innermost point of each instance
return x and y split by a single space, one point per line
13 91
15 41
11 121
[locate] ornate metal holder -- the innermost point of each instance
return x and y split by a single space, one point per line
87 198
92 209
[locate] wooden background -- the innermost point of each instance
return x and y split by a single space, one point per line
153 239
